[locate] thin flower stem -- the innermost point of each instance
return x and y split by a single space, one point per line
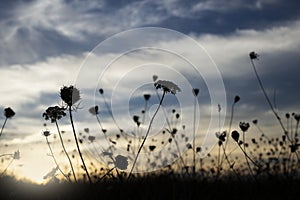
3 126
249 157
6 168
7 154
268 100
144 140
102 177
229 164
52 155
146 103
77 145
229 129
194 136
63 146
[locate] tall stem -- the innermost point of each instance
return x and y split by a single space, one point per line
194 135
3 126
63 146
77 145
52 154
144 140
268 100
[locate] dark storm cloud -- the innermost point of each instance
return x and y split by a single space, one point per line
35 30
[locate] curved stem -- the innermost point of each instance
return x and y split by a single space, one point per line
6 168
144 140
3 126
52 154
194 136
268 100
77 145
63 146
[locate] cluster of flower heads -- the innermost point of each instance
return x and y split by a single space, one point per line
167 86
54 113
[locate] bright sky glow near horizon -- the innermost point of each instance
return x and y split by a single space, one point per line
45 44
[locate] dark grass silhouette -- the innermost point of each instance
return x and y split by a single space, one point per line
155 187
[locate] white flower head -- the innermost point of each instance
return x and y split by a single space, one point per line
167 86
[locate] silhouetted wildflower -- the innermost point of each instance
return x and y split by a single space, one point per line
167 86
294 147
221 136
147 97
17 155
235 135
46 133
121 162
154 77
297 117
70 95
152 147
253 55
101 91
287 115
254 121
91 138
189 146
94 110
244 126
195 91
54 113
8 112
236 99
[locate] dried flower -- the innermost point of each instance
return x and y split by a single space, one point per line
54 113
91 138
101 91
255 121
147 97
297 117
17 155
235 135
253 55
46 133
244 126
195 91
8 112
70 95
152 147
121 162
154 77
94 110
221 136
167 86
287 115
236 99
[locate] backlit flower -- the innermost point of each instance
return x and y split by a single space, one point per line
46 133
253 55
235 135
54 113
17 155
244 126
70 95
196 91
8 112
167 86
147 97
94 110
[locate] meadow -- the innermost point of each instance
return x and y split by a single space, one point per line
239 166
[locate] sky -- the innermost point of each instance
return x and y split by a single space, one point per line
120 45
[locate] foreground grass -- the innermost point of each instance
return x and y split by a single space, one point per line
155 187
